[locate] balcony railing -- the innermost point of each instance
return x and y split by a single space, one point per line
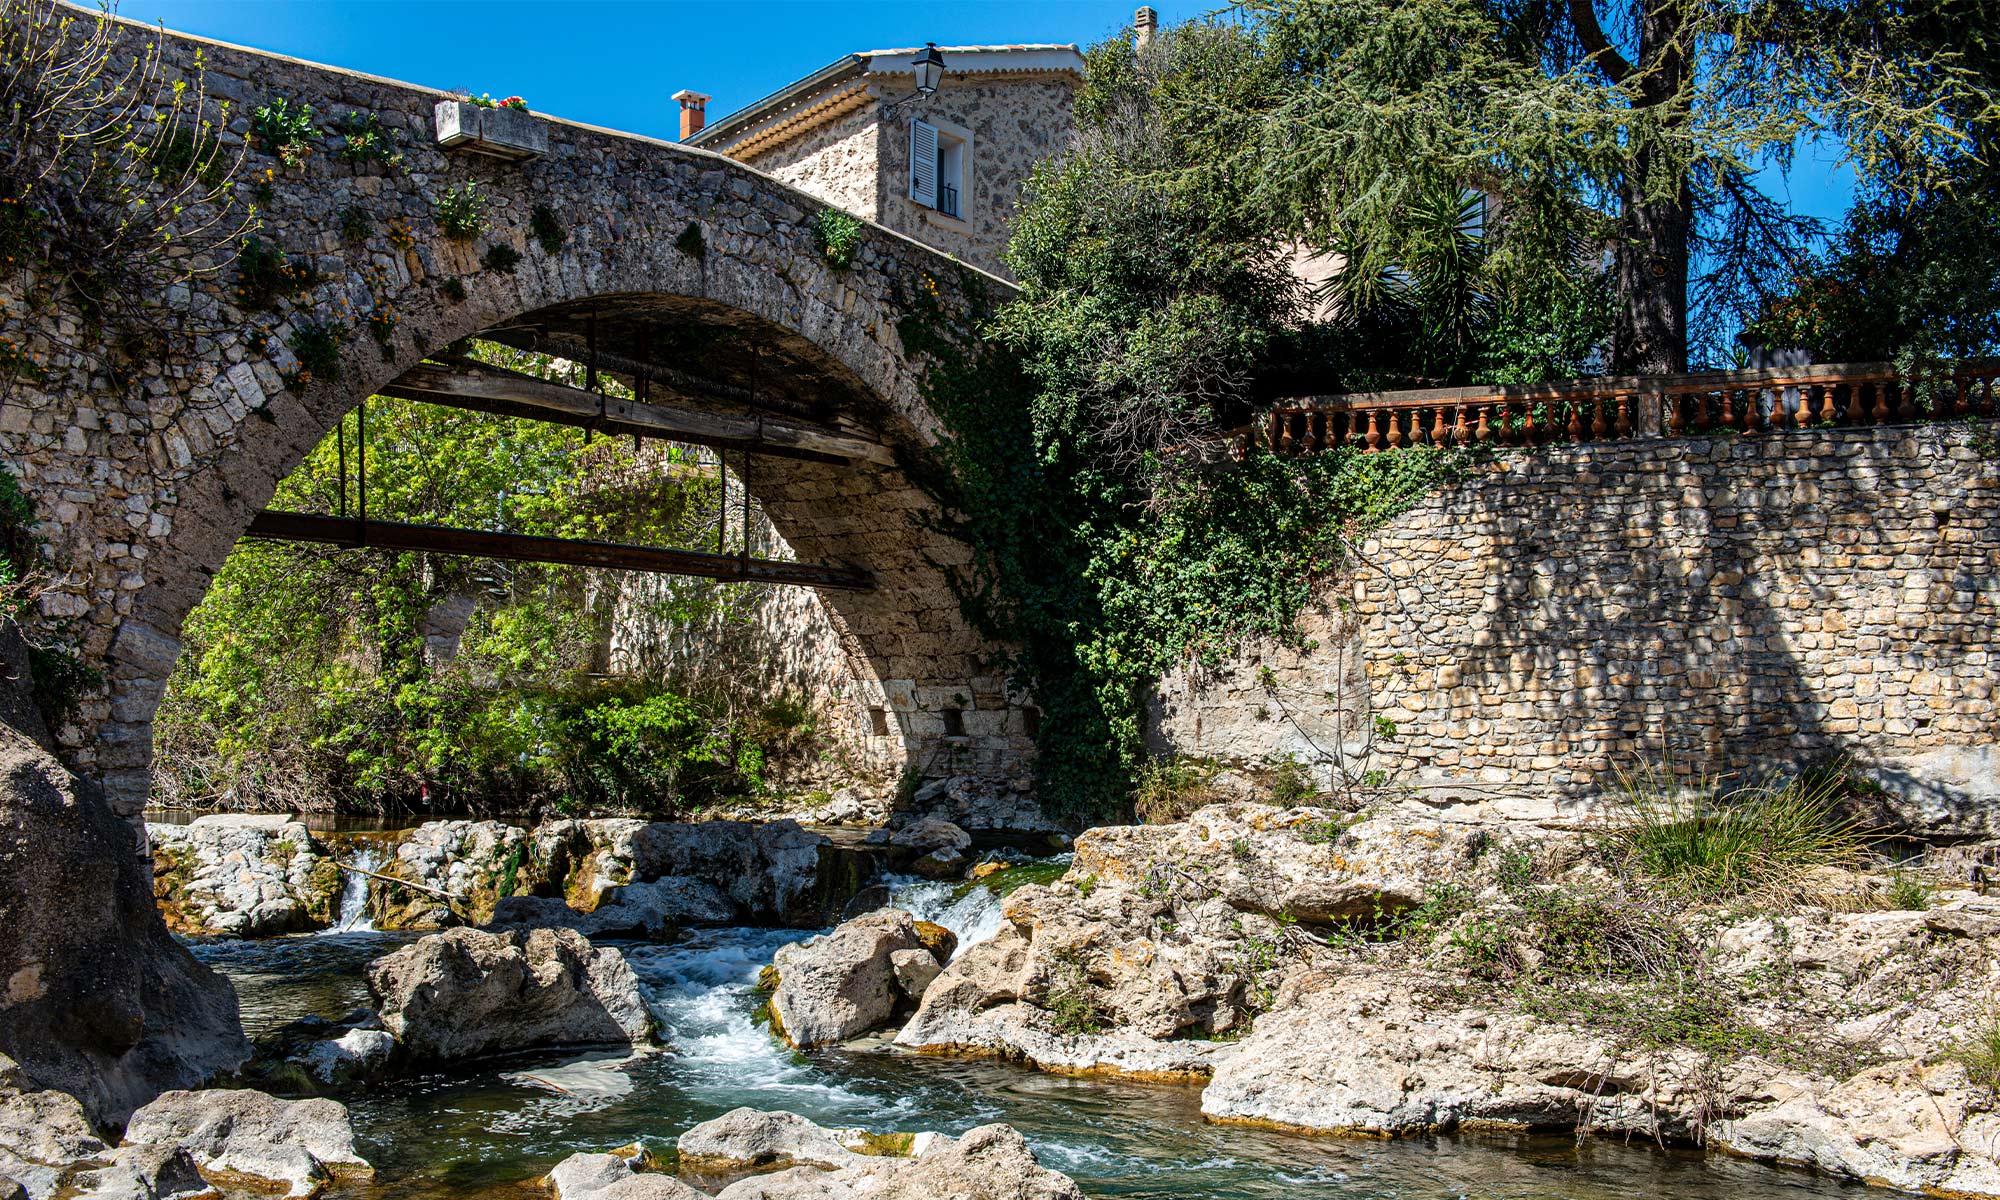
1771 399
947 200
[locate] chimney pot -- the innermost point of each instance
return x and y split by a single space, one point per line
1145 23
694 111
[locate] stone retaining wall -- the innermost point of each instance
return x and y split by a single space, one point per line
1732 601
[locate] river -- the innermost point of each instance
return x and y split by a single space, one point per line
479 1132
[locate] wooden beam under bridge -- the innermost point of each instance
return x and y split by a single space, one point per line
519 547
484 388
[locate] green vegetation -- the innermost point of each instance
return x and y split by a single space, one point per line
547 229
285 130
1979 1051
365 139
1071 1002
500 257
838 235
314 676
461 211
1170 788
265 274
1703 843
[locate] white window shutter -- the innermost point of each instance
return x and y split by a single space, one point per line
923 163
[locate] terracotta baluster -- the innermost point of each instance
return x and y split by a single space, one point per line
1483 433
1440 432
1395 429
1881 410
1728 418
1597 426
1310 443
1461 433
1374 430
1623 425
1828 411
1575 426
1676 420
1804 415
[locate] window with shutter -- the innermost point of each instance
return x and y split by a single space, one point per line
923 163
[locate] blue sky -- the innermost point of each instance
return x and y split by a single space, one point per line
617 64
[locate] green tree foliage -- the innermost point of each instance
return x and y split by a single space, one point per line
1914 273
1642 127
1153 313
306 674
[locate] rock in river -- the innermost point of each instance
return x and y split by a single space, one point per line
249 876
992 1162
96 996
844 983
467 992
298 1145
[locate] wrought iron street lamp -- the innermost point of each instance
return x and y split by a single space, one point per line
927 69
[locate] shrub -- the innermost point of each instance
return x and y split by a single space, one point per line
355 223
1291 782
317 345
264 273
501 257
1071 1002
367 139
1908 893
1171 788
461 211
838 235
1706 844
285 130
547 229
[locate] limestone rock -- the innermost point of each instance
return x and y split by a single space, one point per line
632 922
930 834
354 1057
297 1144
243 875
466 992
41 1135
914 971
1905 1125
96 997
992 1162
1308 864
988 805
142 1173
843 983
774 871
613 1177
475 862
1949 793
1361 1054
749 1139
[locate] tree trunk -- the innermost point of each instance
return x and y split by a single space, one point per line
1650 264
1656 213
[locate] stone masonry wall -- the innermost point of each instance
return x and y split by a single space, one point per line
1737 602
837 162
861 161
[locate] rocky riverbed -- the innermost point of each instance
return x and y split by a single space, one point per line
1220 1006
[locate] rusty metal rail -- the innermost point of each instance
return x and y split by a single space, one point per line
1594 410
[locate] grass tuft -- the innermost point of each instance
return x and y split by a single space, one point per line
1703 843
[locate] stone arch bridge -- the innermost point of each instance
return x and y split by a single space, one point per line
682 268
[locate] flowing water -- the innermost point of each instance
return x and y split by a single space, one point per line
354 916
479 1132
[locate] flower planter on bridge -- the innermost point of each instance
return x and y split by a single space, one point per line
510 133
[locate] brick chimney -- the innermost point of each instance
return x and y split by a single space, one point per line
694 112
1145 23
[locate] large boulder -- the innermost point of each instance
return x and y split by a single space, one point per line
297 1145
773 872
614 1177
467 992
97 999
1361 1054
244 875
993 809
846 982
462 869
992 1162
42 1134
140 1173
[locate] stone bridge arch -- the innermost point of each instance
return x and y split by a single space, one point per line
143 490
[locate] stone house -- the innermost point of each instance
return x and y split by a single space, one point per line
945 169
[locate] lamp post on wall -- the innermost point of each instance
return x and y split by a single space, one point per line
927 70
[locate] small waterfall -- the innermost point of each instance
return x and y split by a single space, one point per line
970 911
353 916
